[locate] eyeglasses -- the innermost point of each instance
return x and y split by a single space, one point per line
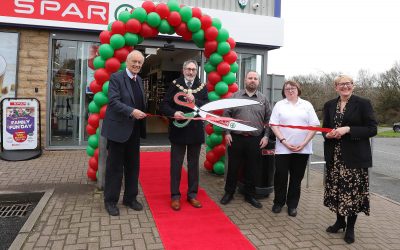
290 89
191 69
347 84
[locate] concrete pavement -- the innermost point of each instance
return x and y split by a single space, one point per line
74 217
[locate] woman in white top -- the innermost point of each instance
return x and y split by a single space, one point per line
293 146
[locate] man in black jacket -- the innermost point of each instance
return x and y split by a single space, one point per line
189 137
123 126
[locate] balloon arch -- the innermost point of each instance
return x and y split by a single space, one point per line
148 21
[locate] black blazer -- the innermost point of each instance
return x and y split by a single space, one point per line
118 124
193 133
356 148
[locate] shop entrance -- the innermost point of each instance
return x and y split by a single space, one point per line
161 67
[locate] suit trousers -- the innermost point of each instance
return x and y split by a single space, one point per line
123 159
177 155
293 165
244 153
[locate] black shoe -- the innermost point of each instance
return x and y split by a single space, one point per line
336 227
349 236
135 205
255 203
292 212
276 208
111 208
226 198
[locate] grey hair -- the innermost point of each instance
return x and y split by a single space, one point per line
185 64
135 52
252 70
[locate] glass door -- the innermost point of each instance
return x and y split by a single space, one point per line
72 71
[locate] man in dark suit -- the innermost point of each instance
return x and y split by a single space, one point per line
185 138
123 126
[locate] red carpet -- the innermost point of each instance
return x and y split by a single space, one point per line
190 228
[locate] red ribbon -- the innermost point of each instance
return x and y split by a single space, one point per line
312 128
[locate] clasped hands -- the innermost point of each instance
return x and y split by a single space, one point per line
293 148
337 133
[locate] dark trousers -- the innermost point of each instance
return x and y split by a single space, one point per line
293 165
177 155
123 159
244 153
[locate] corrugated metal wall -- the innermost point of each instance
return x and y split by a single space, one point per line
265 7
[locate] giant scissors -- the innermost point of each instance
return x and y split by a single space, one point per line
203 111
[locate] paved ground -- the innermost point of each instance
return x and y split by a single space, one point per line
74 217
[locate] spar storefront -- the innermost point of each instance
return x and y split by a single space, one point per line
53 44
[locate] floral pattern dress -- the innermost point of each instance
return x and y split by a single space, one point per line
346 189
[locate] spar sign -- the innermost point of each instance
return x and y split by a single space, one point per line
20 118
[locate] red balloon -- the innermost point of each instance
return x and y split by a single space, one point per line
96 154
93 120
174 19
213 77
105 36
162 10
91 174
187 36
112 65
129 48
209 129
211 33
211 157
210 87
148 6
118 27
233 87
223 68
227 95
219 112
196 12
133 26
94 87
90 129
101 76
207 54
208 165
181 29
147 30
230 57
206 22
231 42
211 46
93 163
121 54
219 150
102 112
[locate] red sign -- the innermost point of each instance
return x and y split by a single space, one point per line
78 11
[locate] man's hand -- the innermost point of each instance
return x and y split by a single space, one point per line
263 142
138 114
228 139
179 115
190 98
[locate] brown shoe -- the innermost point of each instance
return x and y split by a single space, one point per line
195 203
175 205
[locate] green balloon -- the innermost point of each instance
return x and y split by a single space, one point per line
194 24
208 149
223 48
198 38
117 41
90 150
106 51
98 132
131 39
218 130
209 142
209 67
140 14
98 62
140 39
123 66
124 16
100 99
105 88
109 27
219 168
215 59
221 88
222 159
93 108
234 67
212 96
164 27
216 138
173 5
186 13
153 19
93 141
223 35
216 23
229 78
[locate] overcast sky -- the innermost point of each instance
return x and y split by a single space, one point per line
322 36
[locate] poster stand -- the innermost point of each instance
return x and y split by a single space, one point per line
20 129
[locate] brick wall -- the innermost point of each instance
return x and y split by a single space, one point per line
33 67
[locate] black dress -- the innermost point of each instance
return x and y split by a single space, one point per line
346 189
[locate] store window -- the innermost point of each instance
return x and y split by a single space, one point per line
248 62
72 71
8 64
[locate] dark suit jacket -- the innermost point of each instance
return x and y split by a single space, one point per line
359 116
193 133
118 125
